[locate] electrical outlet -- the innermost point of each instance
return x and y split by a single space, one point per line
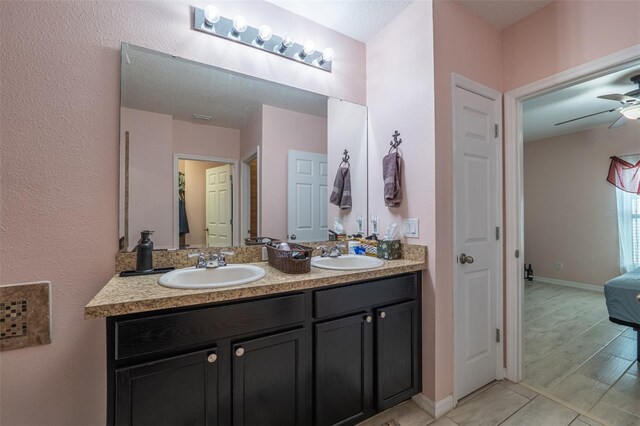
265 254
559 264
411 228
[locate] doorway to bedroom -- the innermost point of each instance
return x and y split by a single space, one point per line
582 231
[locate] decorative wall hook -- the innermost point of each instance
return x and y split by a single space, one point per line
345 157
395 143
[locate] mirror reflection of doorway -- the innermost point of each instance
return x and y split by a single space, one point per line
205 198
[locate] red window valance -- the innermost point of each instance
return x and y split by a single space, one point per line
624 175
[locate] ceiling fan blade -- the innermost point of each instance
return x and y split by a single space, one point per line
621 121
618 97
585 116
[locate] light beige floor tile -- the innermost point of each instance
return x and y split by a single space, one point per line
634 369
614 415
602 333
542 411
580 391
406 414
526 392
585 421
490 408
551 370
604 367
476 393
443 421
624 395
630 333
622 347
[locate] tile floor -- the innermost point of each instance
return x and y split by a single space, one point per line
575 354
499 403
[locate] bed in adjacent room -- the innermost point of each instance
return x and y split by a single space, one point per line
623 301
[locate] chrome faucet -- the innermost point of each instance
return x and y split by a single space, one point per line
201 262
332 252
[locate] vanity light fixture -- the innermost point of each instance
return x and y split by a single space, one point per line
209 20
631 112
201 117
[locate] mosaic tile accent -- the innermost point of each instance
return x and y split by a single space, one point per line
24 315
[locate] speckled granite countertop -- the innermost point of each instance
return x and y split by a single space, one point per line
143 294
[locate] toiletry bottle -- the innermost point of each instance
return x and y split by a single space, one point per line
144 261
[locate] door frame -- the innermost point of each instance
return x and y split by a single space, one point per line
514 189
236 211
458 81
245 193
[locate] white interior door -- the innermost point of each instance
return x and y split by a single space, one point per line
219 212
308 199
476 218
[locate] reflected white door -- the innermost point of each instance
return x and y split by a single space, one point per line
476 186
219 211
308 199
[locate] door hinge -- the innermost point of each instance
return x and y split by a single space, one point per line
497 232
498 337
517 254
497 130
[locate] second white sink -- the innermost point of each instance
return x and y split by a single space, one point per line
347 262
220 277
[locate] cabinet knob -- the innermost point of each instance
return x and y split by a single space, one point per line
368 318
240 351
383 314
212 358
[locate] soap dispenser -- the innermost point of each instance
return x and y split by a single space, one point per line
144 262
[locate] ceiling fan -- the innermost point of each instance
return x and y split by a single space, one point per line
630 109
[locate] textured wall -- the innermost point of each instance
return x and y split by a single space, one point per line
400 97
59 72
570 208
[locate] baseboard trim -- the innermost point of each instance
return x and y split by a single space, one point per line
582 286
434 409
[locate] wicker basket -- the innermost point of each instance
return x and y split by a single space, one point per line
370 246
259 241
283 260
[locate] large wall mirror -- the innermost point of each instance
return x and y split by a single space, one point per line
209 158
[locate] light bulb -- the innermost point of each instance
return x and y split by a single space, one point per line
239 24
327 55
211 15
264 34
309 47
631 112
286 43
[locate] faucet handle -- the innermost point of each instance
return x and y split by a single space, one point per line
323 250
202 260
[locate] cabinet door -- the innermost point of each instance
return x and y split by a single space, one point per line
182 390
269 380
397 353
343 370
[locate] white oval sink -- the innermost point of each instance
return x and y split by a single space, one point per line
223 276
346 262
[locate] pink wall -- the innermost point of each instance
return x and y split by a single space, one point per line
401 97
570 209
566 34
60 106
150 175
205 139
304 133
466 45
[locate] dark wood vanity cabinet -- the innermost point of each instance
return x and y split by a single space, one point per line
329 356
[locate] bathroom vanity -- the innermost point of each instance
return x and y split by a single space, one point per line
330 347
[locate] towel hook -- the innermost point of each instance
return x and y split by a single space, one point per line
395 143
345 158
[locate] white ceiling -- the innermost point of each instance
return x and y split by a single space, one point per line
502 13
157 82
358 19
543 112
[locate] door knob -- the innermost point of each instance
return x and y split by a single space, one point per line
293 236
212 358
465 259
240 351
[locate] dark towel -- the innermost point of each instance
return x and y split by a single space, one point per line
182 213
391 173
341 194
